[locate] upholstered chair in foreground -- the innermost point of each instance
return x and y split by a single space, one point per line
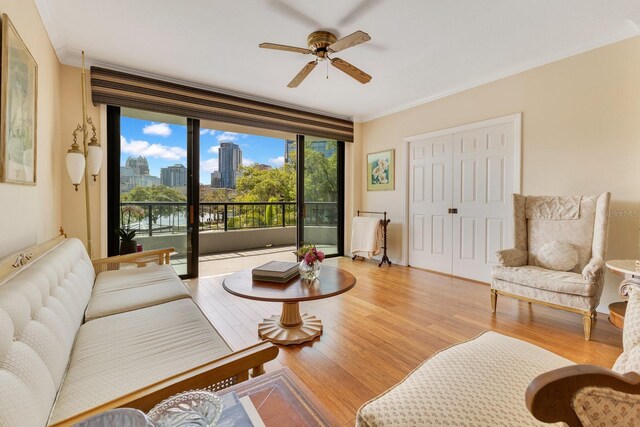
558 259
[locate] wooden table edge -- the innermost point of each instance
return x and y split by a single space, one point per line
280 299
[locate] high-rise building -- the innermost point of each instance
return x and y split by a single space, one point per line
174 176
289 151
326 147
135 173
216 179
139 165
229 162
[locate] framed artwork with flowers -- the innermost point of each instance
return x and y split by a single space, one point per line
18 108
381 171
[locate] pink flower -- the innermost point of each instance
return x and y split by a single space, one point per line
320 256
309 258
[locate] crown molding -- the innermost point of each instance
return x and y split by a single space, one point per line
69 55
631 29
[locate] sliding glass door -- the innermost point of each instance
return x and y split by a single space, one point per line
154 188
321 193
154 195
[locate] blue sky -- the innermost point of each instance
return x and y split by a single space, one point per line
166 144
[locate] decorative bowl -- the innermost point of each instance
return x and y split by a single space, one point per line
196 408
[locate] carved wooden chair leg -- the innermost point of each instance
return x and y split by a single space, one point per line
494 300
587 320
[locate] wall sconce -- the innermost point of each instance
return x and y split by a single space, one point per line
87 161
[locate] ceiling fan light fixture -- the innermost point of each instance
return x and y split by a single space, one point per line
322 44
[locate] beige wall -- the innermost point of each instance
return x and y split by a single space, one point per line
73 202
580 135
32 214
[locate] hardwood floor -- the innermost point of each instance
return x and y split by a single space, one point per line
393 320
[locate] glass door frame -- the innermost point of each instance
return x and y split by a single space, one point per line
300 201
193 188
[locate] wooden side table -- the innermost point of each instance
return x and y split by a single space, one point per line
616 313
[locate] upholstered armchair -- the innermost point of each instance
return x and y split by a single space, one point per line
558 258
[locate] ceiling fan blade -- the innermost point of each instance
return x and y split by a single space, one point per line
349 69
284 47
364 6
302 74
351 40
294 13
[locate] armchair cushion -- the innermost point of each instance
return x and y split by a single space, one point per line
565 282
558 256
512 257
480 382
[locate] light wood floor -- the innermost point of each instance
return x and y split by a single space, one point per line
394 319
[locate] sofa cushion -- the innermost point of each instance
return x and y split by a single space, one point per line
558 256
41 310
119 354
566 282
118 291
480 382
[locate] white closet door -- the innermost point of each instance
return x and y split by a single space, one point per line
483 181
430 170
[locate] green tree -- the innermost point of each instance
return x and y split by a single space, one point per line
157 193
260 185
208 194
320 177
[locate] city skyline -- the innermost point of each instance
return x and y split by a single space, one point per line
164 145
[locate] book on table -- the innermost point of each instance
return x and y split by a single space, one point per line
276 271
284 279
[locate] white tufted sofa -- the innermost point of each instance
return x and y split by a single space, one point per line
141 328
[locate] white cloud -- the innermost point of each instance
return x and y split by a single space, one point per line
210 165
247 162
157 151
160 129
277 162
214 149
228 137
208 132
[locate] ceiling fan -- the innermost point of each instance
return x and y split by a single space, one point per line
322 44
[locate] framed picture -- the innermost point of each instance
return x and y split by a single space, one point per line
381 170
18 108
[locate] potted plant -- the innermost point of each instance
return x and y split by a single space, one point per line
310 259
128 245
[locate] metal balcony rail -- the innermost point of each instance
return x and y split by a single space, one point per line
171 217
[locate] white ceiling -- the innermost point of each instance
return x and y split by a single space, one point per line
420 49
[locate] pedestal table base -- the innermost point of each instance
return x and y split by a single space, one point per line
290 327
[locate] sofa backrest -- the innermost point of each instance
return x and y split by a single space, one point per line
41 310
578 220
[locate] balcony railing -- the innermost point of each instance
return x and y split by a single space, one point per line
171 217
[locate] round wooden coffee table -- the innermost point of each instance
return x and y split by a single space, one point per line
290 327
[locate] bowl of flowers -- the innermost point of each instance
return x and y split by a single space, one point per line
310 258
